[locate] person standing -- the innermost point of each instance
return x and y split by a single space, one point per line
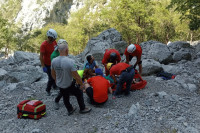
131 51
46 49
110 56
63 71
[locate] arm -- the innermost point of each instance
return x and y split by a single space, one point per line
95 64
127 59
53 74
78 79
41 59
138 62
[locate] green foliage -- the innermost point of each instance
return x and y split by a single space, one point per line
7 38
10 9
190 9
136 20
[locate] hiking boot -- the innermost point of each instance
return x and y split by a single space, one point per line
86 110
57 106
72 111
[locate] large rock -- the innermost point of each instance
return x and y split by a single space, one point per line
181 55
20 56
110 38
160 53
29 74
176 46
151 66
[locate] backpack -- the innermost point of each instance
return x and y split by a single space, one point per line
33 109
165 75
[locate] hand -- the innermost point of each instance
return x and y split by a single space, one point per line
45 69
82 87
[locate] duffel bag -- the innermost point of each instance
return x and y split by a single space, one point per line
33 109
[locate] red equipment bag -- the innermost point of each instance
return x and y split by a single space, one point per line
33 109
140 83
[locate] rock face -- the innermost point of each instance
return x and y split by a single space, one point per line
162 106
37 13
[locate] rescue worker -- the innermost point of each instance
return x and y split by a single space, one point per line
97 88
46 49
63 71
125 72
131 51
112 56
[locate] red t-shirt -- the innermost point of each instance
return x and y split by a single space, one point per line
100 87
107 55
118 68
47 50
137 52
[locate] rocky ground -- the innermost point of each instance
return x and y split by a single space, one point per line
162 106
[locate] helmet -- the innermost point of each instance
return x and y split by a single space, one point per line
131 48
109 65
52 33
61 44
113 57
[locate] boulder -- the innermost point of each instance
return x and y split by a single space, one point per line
160 52
176 46
110 38
20 56
151 66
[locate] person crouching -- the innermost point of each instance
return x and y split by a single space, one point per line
97 88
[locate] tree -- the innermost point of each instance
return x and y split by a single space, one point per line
190 9
6 36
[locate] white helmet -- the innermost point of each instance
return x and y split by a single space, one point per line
61 44
131 48
52 33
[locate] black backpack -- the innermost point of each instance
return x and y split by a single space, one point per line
165 75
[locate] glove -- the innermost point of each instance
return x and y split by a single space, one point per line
45 69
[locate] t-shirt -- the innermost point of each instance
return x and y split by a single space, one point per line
91 66
137 52
47 49
55 54
118 68
106 56
100 88
63 67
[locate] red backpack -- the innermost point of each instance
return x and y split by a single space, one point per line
33 109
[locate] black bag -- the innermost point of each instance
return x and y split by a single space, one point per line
165 75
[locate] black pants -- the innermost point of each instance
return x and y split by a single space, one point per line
89 92
58 97
51 81
72 90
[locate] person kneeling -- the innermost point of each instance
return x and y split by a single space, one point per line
97 88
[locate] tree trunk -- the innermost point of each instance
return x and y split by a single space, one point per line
191 37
